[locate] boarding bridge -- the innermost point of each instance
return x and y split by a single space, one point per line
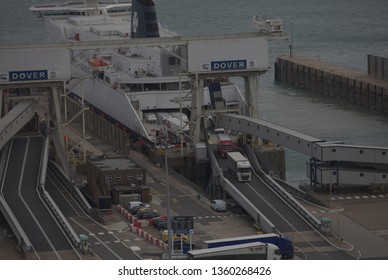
331 162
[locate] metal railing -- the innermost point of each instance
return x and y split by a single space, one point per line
288 198
259 218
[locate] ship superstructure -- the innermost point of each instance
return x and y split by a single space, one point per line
130 82
82 8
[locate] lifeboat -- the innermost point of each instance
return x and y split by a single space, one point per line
98 63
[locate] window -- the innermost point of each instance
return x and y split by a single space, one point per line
118 178
108 178
135 104
139 176
130 177
171 60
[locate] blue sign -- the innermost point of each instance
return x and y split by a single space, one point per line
33 75
182 224
228 65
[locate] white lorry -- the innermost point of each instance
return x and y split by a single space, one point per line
174 130
239 166
247 251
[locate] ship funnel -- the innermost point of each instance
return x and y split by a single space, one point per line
144 21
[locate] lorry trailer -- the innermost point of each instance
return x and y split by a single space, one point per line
285 245
247 251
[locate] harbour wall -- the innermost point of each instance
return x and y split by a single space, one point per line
316 76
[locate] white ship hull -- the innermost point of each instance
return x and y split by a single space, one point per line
119 105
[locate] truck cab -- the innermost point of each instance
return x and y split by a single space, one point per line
225 144
239 166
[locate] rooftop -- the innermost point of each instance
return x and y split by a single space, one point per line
109 164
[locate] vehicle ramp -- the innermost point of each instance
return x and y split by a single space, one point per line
37 231
15 120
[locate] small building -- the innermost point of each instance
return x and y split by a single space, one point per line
104 175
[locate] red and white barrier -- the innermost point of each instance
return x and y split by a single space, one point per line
140 232
136 225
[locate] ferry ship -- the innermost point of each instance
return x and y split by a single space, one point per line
139 87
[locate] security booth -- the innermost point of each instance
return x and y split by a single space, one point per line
84 243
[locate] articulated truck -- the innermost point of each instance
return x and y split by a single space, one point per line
247 251
285 245
239 166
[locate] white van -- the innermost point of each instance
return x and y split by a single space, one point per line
219 205
218 130
132 204
150 117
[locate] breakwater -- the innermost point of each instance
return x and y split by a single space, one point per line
320 77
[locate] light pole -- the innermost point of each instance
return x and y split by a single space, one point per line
168 200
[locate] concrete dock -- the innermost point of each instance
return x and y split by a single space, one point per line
332 80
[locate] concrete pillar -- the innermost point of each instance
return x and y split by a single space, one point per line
1 101
251 84
196 103
58 118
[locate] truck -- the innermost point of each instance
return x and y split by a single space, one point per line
239 166
174 130
182 116
285 245
225 144
246 251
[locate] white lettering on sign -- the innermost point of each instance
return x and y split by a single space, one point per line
32 75
228 65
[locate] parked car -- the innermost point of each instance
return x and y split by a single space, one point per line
136 209
155 220
235 208
149 215
133 204
140 214
162 225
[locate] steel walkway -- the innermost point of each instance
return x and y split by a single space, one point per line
331 161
